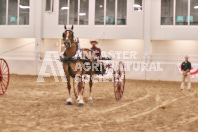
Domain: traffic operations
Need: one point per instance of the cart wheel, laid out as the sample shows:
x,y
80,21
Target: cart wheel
x,y
4,76
75,85
119,81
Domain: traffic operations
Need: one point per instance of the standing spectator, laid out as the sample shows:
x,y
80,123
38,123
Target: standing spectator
x,y
185,68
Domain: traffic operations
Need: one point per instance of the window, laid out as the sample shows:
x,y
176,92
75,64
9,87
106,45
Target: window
x,y
122,12
14,12
181,12
83,15
137,5
49,5
63,12
110,12
2,12
99,12
24,12
167,12
193,12
74,12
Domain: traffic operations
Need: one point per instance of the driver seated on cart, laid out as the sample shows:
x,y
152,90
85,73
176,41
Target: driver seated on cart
x,y
95,49
97,53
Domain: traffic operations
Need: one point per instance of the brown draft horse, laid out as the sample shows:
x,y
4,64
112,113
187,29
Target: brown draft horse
x,y
70,65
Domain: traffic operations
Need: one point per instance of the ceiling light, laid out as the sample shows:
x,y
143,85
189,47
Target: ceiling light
x,y
64,8
195,7
137,6
82,14
24,7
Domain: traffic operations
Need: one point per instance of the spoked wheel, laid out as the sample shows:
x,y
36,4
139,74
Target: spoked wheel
x,y
76,85
119,81
4,76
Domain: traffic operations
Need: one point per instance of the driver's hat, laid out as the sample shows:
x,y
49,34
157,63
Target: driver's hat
x,y
94,41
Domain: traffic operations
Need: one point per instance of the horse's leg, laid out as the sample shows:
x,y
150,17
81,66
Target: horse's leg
x,y
76,89
69,100
80,89
90,89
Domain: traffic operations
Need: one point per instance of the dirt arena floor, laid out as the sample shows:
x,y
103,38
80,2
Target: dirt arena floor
x,y
146,106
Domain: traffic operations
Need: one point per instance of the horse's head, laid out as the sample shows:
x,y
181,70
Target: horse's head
x,y
68,36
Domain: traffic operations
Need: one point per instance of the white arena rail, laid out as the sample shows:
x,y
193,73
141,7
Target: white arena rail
x,y
172,58
18,55
29,63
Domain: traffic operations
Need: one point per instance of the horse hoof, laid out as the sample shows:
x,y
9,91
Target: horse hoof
x,y
80,105
90,101
77,101
68,103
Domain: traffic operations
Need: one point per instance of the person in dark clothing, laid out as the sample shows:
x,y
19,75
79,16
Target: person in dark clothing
x,y
185,68
97,55
95,49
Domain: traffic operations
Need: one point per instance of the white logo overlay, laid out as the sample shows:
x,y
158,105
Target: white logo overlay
x,y
102,69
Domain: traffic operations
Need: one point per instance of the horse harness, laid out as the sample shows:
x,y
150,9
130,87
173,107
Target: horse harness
x,y
74,58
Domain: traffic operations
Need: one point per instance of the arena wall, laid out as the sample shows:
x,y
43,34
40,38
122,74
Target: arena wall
x,y
161,32
165,52
165,44
17,48
32,67
133,29
21,31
